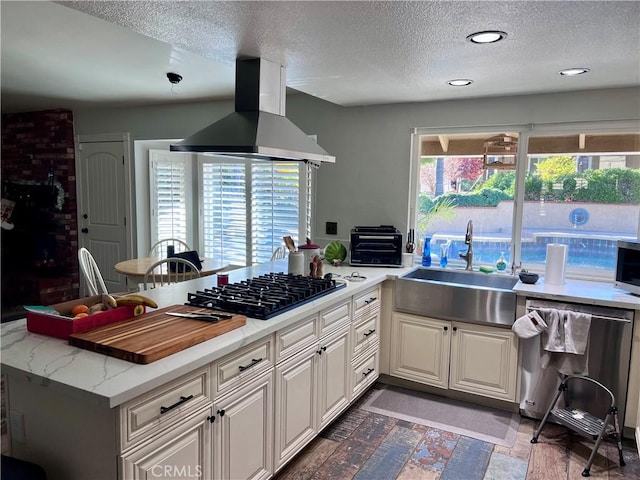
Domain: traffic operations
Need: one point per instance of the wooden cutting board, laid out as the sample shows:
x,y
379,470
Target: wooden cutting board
x,y
153,335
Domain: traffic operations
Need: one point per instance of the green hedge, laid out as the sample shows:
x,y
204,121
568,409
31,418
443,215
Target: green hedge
x,y
609,185
486,197
504,181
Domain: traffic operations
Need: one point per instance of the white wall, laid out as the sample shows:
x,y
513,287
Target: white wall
x,y
368,184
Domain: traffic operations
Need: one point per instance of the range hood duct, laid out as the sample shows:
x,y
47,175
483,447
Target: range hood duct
x,y
258,128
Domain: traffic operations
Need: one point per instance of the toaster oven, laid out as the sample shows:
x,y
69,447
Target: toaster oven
x,y
376,246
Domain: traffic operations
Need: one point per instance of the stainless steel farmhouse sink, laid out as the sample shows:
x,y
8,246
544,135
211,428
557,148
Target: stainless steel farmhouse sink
x,y
457,295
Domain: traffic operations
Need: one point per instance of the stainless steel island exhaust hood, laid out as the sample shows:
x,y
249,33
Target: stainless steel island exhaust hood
x,y
258,128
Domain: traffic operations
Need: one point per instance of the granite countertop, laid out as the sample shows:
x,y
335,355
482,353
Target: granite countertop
x,y
109,381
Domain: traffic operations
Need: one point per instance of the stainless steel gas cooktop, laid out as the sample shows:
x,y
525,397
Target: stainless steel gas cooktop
x,y
265,296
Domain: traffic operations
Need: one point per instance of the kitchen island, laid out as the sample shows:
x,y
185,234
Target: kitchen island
x,y
85,415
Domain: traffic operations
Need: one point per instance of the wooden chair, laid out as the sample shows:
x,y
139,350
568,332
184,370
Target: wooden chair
x,y
278,253
159,249
91,272
168,271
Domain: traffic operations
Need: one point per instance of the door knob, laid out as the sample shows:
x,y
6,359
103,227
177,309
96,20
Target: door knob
x,y
85,230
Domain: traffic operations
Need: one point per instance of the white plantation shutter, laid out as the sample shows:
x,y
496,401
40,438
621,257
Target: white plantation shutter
x,y
169,198
245,206
224,211
275,206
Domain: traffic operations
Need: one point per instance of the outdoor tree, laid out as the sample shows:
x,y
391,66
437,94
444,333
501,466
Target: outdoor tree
x,y
463,168
554,167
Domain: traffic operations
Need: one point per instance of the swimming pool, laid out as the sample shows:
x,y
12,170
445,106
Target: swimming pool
x,y
582,252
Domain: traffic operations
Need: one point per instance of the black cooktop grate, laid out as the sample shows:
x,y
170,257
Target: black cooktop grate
x,y
265,296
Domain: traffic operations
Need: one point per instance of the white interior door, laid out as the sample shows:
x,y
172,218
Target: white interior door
x,y
102,218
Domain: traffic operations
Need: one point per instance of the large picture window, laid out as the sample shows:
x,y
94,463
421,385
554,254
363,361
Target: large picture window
x,y
553,184
234,210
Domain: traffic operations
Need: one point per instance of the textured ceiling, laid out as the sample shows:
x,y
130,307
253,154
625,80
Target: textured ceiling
x,y
349,53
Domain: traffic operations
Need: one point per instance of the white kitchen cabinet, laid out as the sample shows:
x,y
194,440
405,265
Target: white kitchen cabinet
x,y
334,359
471,358
484,361
365,340
312,385
420,349
243,431
365,325
182,452
296,403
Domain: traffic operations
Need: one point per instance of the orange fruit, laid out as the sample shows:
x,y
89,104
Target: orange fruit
x,y
81,314
80,308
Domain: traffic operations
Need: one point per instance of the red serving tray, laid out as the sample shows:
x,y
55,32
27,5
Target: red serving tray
x,y
61,326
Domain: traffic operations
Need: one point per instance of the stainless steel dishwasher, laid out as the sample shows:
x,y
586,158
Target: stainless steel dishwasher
x,y
610,336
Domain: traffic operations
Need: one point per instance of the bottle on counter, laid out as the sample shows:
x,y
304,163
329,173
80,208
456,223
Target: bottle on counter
x,y
444,254
426,252
501,264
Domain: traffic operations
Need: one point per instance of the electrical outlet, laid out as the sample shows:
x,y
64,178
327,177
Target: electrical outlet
x,y
331,228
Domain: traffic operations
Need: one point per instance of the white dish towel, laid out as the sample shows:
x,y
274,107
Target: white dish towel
x,y
565,344
568,331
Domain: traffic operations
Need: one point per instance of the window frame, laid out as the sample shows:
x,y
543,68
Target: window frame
x,y
525,132
194,193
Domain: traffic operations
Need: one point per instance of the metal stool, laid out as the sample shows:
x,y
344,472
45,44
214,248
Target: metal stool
x,y
583,422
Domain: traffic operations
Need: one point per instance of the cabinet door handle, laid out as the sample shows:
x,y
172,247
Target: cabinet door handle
x,y
177,404
211,419
368,372
221,412
254,361
455,329
369,333
445,328
371,300
322,349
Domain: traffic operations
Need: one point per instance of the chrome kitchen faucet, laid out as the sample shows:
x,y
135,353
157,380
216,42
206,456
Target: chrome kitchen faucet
x,y
468,240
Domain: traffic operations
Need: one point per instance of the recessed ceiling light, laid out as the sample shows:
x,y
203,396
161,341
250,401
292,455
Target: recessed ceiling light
x,y
488,36
460,82
570,72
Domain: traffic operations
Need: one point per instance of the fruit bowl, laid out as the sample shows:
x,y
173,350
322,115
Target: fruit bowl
x,y
530,278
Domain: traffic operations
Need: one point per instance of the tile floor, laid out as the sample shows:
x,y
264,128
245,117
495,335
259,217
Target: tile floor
x,y
362,445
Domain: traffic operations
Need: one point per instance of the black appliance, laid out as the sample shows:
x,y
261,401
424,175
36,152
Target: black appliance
x,y
628,267
265,296
376,246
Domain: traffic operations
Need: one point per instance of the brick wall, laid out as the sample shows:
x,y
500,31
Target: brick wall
x,y
34,146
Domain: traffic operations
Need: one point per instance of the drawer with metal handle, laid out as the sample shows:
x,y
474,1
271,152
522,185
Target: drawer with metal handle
x,y
366,370
233,369
163,407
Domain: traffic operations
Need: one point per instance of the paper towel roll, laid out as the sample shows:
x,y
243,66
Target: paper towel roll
x,y
555,264
296,263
